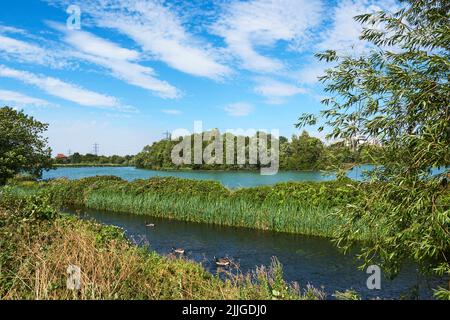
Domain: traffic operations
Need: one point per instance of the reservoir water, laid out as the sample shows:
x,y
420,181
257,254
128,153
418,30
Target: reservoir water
x,y
305,260
230,179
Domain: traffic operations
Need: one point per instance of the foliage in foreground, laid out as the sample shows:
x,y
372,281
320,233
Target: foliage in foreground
x,y
303,208
37,245
23,149
399,94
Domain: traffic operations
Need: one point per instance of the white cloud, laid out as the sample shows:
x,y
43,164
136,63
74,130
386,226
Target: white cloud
x,y
20,99
160,33
171,111
9,29
119,60
245,26
343,36
91,44
310,74
26,52
238,109
276,91
64,90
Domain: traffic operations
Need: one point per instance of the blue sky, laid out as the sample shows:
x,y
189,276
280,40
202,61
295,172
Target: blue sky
x,y
138,68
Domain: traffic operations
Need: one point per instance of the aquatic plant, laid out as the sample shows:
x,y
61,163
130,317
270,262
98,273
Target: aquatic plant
x,y
304,208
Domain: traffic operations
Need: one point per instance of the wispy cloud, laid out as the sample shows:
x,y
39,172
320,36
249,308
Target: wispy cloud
x,y
64,90
160,33
344,33
118,60
20,100
10,29
246,26
171,111
238,109
276,91
27,52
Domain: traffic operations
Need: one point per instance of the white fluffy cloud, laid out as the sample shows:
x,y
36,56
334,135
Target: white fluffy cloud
x,y
344,33
26,52
160,33
64,90
246,26
118,60
238,109
20,99
276,91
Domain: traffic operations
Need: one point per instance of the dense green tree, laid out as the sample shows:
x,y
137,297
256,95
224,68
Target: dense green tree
x,y
398,93
303,153
91,159
23,149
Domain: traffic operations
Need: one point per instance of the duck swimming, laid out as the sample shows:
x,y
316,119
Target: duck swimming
x,y
223,262
178,250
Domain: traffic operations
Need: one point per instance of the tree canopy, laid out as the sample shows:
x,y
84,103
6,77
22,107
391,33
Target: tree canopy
x,y
23,149
302,152
398,92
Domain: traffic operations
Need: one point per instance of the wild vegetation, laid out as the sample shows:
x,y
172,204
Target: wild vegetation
x,y
398,93
22,146
37,244
304,208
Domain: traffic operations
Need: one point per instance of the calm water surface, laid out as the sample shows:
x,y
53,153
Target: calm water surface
x,y
305,259
230,179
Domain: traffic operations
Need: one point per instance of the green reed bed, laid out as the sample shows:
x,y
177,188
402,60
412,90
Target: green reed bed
x,y
239,212
304,208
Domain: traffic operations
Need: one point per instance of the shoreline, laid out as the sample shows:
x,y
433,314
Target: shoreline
x,y
56,166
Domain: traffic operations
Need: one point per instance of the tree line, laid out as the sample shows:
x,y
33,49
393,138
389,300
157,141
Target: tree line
x,y
301,152
93,159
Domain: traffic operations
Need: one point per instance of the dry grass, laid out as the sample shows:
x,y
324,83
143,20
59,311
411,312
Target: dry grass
x,y
34,260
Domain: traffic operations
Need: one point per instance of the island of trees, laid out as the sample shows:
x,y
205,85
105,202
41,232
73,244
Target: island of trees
x,y
302,152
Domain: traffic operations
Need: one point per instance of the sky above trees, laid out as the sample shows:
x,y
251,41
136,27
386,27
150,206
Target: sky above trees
x,y
138,68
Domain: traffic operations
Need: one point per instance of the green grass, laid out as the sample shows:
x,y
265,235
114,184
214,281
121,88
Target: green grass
x,y
37,244
304,208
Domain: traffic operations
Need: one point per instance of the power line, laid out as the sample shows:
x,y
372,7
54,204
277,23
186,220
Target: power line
x,y
168,135
96,148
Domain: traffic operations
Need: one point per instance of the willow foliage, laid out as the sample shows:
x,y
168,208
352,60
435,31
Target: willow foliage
x,y
398,93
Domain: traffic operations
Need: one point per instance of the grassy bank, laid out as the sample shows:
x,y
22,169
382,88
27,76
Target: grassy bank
x,y
37,245
304,208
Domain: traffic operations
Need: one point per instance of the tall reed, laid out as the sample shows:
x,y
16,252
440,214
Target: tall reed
x,y
303,208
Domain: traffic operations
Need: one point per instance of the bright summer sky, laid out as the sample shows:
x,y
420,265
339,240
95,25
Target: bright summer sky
x,y
138,68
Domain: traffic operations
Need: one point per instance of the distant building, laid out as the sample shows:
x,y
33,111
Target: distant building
x,y
61,158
